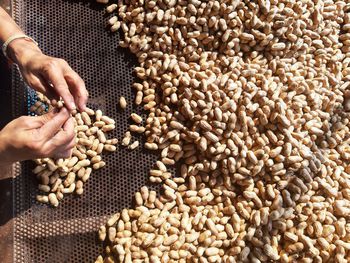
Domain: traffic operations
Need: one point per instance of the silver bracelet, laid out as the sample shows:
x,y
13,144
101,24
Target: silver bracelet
x,y
12,38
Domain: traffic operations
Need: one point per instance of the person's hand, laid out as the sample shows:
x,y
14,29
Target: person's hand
x,y
49,135
48,75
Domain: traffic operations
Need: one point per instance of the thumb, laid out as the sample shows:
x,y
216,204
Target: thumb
x,y
53,122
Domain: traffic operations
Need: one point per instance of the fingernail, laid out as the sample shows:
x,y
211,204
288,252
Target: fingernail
x,y
82,107
72,106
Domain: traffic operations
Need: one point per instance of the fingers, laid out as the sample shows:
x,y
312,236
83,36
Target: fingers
x,y
50,93
35,122
65,137
53,123
39,84
35,83
57,79
62,151
62,143
43,136
77,87
54,74
66,140
67,134
66,152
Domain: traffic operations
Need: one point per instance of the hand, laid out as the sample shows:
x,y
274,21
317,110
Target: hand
x,y
48,75
37,137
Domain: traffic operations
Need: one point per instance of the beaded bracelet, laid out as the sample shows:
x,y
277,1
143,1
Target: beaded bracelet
x,y
12,38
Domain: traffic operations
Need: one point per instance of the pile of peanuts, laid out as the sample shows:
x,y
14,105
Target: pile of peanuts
x,y
65,176
250,97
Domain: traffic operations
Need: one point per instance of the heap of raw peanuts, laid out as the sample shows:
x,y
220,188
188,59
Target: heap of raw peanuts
x,y
58,177
250,97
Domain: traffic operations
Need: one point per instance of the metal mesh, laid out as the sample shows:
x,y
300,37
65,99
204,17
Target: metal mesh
x,y
74,30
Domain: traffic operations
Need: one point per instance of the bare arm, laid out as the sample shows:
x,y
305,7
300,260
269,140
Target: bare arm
x,y
51,76
7,26
52,134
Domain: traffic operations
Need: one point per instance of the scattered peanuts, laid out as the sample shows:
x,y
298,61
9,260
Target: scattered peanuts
x,y
134,145
254,107
64,176
136,118
122,103
127,138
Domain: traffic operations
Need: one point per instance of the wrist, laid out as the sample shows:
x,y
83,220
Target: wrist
x,y
21,48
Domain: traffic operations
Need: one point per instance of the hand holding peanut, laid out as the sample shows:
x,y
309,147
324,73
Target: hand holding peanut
x,y
27,137
48,75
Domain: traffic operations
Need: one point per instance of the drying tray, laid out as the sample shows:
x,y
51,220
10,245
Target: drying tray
x,y
76,31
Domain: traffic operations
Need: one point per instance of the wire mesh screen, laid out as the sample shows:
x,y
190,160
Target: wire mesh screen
x,y
75,31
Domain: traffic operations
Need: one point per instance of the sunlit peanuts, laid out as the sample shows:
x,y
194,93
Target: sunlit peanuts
x,y
252,99
122,103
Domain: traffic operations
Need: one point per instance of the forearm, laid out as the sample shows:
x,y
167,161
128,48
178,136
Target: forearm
x,y
8,27
18,47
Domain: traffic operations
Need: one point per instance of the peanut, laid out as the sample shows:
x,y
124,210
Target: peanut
x,y
122,103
